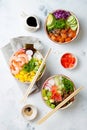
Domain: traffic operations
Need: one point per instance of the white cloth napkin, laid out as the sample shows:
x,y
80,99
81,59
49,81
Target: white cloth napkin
x,y
13,46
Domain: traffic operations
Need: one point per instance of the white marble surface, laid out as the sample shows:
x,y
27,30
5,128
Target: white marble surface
x,y
11,25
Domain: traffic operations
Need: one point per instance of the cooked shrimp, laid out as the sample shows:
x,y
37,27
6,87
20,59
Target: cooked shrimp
x,y
24,56
21,61
15,64
17,61
21,51
14,70
13,58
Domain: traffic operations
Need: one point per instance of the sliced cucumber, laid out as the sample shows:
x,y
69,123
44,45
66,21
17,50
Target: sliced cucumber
x,y
72,22
57,81
70,18
74,27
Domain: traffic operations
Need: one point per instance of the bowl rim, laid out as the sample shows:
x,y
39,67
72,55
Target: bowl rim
x,y
67,78
76,62
77,31
37,78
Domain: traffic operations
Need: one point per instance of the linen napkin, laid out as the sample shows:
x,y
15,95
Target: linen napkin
x,y
14,45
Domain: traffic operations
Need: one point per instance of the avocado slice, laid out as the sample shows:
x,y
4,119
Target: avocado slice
x,y
50,20
50,27
44,92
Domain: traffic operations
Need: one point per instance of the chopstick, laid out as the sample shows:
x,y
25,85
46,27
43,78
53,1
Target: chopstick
x,y
35,77
58,106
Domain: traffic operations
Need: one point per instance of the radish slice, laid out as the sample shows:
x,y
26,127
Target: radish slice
x,y
29,52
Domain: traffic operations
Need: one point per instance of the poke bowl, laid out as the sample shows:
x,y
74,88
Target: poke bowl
x,y
25,62
62,26
56,89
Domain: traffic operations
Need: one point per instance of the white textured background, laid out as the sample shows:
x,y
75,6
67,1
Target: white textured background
x,y
11,25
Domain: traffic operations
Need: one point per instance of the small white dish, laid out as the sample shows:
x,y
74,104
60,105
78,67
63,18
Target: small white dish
x,y
31,22
29,112
68,61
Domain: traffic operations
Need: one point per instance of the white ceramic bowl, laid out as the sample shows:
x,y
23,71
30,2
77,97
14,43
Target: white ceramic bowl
x,y
33,114
68,60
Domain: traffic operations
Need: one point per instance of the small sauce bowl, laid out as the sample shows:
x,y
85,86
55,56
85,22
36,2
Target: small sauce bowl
x,y
29,112
32,23
68,60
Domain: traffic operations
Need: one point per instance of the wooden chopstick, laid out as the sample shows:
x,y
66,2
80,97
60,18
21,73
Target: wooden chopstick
x,y
58,106
35,77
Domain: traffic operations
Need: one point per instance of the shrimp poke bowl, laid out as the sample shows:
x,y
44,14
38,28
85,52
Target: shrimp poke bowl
x,y
62,26
25,63
56,89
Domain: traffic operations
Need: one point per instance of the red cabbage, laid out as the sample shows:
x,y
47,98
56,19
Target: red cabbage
x,y
61,14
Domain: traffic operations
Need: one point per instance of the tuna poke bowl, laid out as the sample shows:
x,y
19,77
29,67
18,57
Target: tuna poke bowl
x,y
25,62
62,26
57,88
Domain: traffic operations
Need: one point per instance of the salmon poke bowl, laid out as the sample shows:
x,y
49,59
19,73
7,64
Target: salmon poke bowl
x,y
62,26
56,89
24,64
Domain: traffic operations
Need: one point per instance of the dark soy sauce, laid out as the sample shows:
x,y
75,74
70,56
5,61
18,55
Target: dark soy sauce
x,y
28,109
31,21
